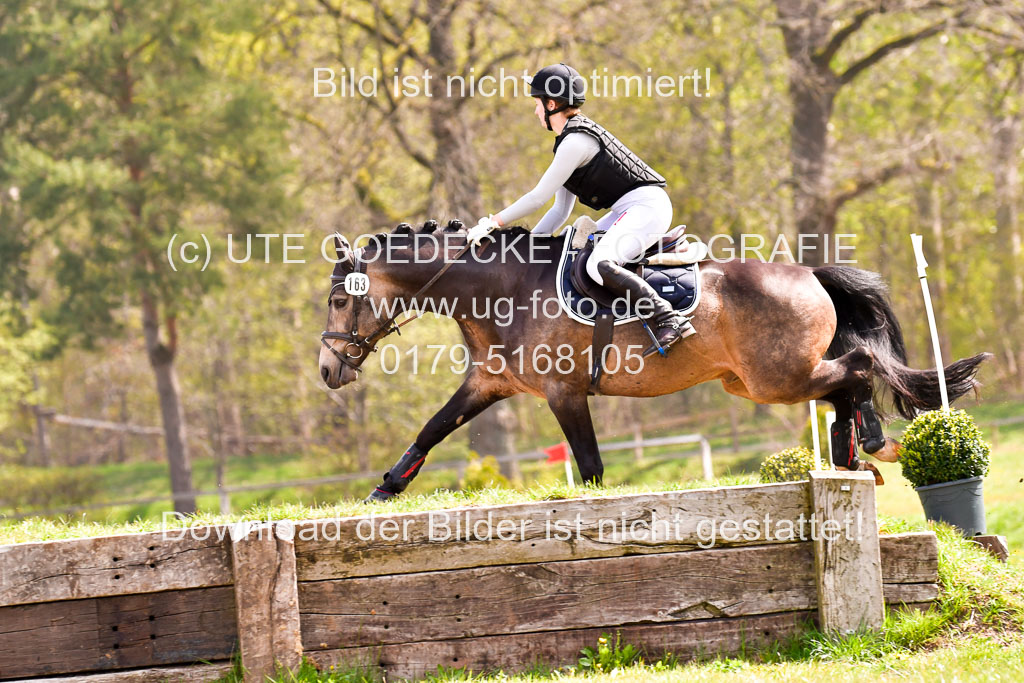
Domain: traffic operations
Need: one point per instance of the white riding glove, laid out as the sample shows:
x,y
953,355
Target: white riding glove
x,y
481,230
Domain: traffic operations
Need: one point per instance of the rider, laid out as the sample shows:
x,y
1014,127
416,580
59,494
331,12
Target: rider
x,y
591,163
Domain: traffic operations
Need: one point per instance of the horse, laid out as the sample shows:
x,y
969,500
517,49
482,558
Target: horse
x,y
774,333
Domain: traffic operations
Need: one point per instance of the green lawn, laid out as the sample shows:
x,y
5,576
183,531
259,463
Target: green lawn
x,y
1004,489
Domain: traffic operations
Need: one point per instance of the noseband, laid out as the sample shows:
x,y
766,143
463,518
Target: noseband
x,y
368,344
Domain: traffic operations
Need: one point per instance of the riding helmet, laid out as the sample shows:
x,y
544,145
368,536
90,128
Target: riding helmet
x,y
559,82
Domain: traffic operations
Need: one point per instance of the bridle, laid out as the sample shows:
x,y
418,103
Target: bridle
x,y
368,344
352,338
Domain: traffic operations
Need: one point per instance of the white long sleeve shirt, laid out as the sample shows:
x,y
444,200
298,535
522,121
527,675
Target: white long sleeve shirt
x,y
576,150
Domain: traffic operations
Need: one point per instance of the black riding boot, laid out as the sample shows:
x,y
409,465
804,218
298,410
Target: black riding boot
x,y
669,324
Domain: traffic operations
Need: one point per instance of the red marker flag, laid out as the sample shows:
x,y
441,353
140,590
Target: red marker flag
x,y
559,453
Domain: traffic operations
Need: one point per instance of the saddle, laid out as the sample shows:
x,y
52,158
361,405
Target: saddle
x,y
670,265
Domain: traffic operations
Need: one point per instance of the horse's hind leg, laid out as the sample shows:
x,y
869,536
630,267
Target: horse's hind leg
x,y
869,427
841,432
854,389
846,383
797,385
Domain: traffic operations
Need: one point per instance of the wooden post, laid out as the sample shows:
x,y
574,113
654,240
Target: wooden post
x,y
266,598
847,562
705,459
638,441
815,443
734,427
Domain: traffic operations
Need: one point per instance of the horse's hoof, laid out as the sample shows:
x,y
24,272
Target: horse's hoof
x,y
868,467
890,452
872,446
379,495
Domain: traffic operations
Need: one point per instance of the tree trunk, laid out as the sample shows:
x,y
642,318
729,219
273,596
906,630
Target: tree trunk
x,y
161,359
1007,139
229,411
928,197
122,452
812,91
812,108
491,433
941,267
42,436
360,409
456,191
456,194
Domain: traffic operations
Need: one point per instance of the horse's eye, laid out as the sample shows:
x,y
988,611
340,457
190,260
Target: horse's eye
x,y
340,303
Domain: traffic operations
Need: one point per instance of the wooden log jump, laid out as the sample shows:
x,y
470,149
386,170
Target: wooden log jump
x,y
693,573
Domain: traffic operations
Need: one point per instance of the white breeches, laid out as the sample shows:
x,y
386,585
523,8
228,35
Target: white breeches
x,y
633,223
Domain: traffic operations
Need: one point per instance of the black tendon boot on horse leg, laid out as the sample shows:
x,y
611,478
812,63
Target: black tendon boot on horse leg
x,y
844,443
399,476
669,325
844,446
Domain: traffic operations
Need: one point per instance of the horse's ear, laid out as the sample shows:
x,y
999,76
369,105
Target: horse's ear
x,y
342,249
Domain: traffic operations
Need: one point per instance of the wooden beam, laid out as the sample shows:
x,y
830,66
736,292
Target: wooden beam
x,y
103,634
198,673
909,558
114,565
910,593
366,546
556,596
848,566
266,598
516,652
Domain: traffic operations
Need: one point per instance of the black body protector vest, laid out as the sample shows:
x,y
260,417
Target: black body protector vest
x,y
613,171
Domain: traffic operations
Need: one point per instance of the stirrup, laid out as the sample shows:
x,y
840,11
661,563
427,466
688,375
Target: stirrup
x,y
685,330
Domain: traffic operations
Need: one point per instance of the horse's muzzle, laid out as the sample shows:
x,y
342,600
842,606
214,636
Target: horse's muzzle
x,y
333,372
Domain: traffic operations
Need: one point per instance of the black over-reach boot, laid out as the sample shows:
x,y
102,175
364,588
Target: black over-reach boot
x,y
669,324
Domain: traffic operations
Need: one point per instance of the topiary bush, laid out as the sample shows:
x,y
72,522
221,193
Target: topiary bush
x,y
941,446
791,464
483,473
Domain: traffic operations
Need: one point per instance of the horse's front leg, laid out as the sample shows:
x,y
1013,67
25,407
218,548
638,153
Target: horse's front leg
x,y
475,395
570,408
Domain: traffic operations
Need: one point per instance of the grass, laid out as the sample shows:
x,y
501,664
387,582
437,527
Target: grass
x,y
1004,490
45,529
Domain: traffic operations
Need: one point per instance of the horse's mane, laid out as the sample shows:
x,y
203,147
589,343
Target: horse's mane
x,y
454,226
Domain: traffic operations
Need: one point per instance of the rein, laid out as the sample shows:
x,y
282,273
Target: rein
x,y
384,329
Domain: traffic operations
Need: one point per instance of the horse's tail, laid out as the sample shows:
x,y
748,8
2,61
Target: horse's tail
x,y
865,318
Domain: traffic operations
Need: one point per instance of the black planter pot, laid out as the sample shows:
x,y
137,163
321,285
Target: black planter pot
x,y
959,503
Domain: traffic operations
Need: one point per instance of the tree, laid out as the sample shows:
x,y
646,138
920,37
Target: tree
x,y
146,124
458,44
814,35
